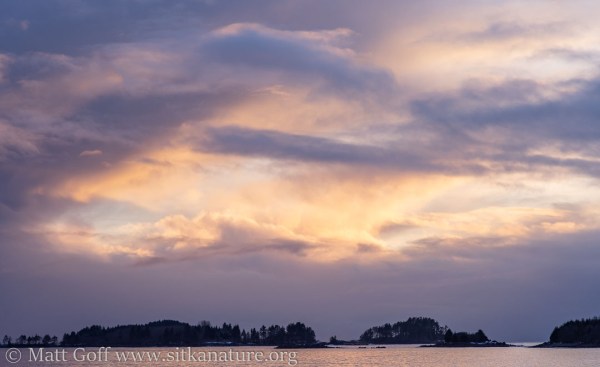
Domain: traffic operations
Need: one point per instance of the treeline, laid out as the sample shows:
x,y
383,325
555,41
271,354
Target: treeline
x,y
175,333
464,337
35,340
584,331
415,330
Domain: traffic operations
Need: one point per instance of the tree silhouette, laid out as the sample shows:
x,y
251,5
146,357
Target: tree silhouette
x,y
584,331
464,337
449,336
174,333
7,340
415,330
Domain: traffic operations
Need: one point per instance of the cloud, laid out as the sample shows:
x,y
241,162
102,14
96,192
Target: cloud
x,y
277,145
508,127
249,152
16,142
177,238
507,30
535,285
304,54
568,54
4,62
108,99
516,126
88,153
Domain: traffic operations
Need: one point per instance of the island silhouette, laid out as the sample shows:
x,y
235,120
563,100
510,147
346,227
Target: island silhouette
x,y
584,333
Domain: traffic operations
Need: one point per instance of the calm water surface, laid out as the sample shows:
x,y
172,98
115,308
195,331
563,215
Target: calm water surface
x,y
409,356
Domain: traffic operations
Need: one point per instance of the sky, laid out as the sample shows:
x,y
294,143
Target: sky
x,y
339,163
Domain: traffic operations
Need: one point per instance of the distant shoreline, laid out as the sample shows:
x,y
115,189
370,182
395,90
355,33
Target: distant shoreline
x,y
425,332
323,346
471,345
567,345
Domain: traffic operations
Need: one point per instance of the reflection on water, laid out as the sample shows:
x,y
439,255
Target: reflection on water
x,y
412,356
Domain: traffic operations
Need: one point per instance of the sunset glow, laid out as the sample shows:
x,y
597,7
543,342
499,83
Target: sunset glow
x,y
351,155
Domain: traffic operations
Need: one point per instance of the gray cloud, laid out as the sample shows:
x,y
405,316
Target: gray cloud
x,y
454,125
567,54
271,50
447,134
118,109
569,117
506,30
278,145
522,119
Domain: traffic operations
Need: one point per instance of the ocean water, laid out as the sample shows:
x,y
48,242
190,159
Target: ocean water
x,y
409,356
